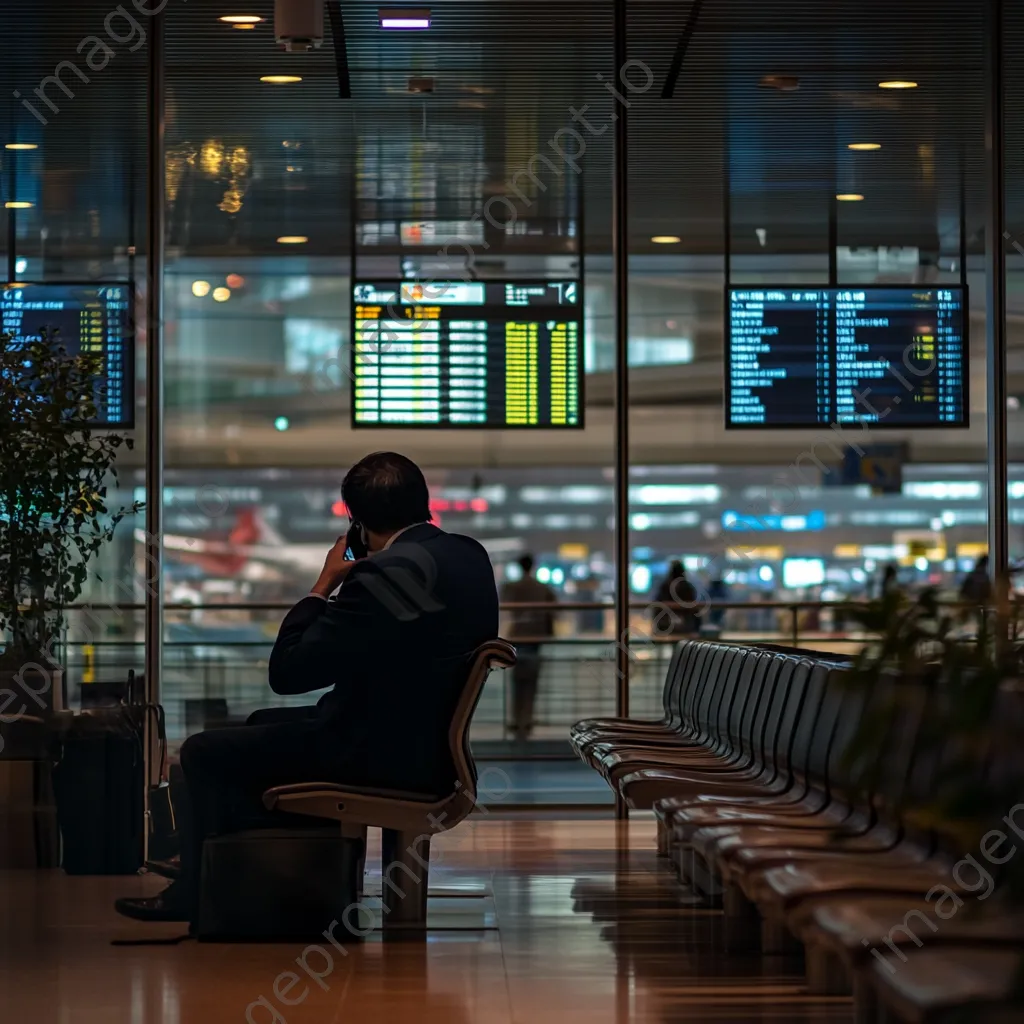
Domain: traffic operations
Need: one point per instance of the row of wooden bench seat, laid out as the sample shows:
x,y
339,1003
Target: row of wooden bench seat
x,y
764,803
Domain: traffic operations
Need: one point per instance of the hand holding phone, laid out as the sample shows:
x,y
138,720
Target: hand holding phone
x,y
339,561
355,541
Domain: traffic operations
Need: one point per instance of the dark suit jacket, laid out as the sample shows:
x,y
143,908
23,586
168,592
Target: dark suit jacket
x,y
393,647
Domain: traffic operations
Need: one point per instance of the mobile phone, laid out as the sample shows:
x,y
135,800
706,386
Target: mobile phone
x,y
354,542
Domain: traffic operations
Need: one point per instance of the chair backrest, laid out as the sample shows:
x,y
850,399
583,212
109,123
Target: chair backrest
x,y
741,670
493,654
677,679
800,716
719,688
758,698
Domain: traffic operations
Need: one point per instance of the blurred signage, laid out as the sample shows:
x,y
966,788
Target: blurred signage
x,y
796,523
573,552
971,550
851,551
878,465
765,554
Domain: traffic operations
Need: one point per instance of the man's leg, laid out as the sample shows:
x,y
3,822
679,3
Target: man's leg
x,y
275,716
524,689
226,773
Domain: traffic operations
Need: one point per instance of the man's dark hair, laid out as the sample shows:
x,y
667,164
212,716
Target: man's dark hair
x,y
526,564
386,491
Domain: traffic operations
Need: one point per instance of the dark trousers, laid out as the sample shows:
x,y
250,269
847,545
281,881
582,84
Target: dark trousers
x,y
226,772
524,688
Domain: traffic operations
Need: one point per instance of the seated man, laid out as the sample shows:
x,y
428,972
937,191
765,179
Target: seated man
x,y
393,647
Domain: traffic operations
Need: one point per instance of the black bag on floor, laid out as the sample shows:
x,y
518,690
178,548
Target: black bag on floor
x,y
98,784
282,885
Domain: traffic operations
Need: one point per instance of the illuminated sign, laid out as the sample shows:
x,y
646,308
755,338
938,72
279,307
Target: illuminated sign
x,y
468,354
805,357
83,318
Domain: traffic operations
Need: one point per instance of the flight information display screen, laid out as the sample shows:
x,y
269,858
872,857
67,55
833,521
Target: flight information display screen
x,y
82,318
804,357
502,354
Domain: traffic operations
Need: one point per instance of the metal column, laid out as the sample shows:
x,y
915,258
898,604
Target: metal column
x,y
995,281
155,208
12,216
620,253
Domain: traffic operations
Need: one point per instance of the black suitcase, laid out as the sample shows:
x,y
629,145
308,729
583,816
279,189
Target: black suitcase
x,y
98,785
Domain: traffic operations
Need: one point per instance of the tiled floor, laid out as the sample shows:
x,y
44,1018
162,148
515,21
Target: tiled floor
x,y
588,929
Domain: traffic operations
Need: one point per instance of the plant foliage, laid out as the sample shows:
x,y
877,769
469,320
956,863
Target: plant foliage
x,y
54,476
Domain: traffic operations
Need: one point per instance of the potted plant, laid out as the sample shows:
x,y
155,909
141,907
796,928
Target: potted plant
x,y
55,469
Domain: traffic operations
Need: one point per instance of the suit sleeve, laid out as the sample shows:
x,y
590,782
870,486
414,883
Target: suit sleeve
x,y
319,644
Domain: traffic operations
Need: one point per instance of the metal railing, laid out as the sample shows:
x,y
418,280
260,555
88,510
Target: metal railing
x,y
216,657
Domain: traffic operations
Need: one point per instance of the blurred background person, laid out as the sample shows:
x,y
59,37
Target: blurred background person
x,y
590,620
890,581
680,617
718,590
976,588
531,626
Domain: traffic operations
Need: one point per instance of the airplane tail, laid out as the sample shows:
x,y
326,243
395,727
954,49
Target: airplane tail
x,y
253,528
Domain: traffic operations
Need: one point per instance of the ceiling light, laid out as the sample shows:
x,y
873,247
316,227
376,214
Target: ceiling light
x,y
200,289
18,205
402,18
666,239
241,19
897,84
280,79
292,240
849,197
221,294
234,281
21,145
864,145
245,26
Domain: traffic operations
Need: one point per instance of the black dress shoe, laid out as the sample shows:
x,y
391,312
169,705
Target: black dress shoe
x,y
165,868
170,905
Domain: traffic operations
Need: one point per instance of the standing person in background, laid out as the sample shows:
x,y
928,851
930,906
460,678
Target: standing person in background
x,y
676,589
718,590
890,581
976,588
533,624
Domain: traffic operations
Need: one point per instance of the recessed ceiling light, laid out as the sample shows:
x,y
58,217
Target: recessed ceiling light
x,y
864,145
897,84
292,240
21,145
18,205
404,18
280,79
200,288
241,19
221,294
849,197
666,239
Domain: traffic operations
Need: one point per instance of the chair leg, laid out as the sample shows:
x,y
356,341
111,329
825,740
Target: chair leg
x,y
405,876
358,833
826,975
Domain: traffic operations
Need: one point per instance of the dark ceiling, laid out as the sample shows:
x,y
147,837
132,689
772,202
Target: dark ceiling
x,y
506,76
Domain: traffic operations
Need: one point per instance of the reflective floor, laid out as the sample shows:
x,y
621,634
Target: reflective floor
x,y
548,920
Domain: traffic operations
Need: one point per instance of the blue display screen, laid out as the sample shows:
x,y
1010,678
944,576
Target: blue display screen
x,y
805,357
82,318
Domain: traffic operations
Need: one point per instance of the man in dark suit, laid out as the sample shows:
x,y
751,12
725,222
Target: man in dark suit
x,y
390,635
